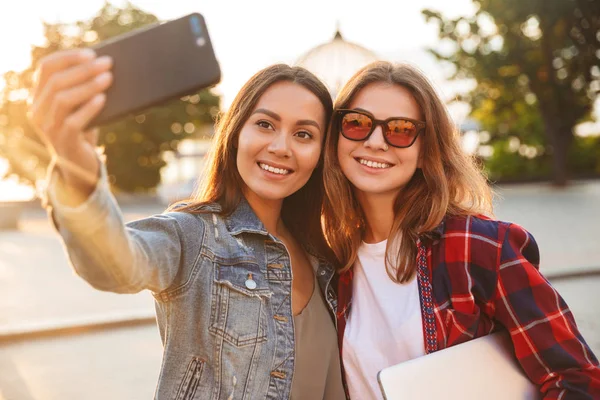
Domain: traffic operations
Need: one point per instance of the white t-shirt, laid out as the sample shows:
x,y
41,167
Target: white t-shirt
x,y
385,324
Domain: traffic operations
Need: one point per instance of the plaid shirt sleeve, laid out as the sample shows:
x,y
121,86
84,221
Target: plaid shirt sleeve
x,y
547,342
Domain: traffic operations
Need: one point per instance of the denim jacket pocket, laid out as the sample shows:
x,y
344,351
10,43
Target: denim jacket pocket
x,y
238,306
191,380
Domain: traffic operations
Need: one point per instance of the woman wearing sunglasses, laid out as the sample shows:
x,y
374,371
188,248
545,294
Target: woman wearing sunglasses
x,y
235,271
423,267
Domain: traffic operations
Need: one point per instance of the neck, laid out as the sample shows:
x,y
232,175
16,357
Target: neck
x,y
379,215
268,212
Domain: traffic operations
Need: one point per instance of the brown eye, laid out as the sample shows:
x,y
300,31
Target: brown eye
x,y
304,135
264,124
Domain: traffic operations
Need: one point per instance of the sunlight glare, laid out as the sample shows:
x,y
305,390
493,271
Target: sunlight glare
x,y
11,189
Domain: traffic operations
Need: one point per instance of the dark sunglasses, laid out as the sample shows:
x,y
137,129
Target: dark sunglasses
x,y
358,125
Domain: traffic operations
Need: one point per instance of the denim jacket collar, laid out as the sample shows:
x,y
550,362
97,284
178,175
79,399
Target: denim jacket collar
x,y
243,219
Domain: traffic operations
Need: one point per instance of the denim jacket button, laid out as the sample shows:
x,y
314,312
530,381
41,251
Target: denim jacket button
x,y
250,284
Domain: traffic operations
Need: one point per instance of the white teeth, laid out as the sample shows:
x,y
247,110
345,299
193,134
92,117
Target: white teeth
x,y
374,164
280,171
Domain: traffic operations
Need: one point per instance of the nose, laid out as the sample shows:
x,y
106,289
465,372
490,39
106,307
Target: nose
x,y
280,145
376,141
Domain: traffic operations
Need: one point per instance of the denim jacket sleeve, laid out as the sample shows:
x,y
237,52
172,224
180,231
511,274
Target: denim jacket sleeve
x,y
113,256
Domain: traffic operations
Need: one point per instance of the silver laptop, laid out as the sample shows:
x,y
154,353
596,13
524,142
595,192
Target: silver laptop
x,y
483,368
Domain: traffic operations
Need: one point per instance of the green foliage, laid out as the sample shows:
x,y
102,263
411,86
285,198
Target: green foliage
x,y
507,165
536,67
584,156
133,145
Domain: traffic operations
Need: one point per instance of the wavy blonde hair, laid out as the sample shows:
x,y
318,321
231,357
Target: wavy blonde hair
x,y
221,182
449,182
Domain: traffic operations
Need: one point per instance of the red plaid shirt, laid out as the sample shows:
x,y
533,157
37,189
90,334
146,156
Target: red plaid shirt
x,y
476,276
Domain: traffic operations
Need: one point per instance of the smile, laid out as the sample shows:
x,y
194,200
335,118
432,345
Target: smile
x,y
275,170
374,164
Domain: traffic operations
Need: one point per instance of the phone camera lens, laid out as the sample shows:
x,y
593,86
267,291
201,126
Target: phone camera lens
x,y
195,24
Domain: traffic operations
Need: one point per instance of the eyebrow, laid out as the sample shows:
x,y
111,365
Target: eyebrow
x,y
271,114
276,117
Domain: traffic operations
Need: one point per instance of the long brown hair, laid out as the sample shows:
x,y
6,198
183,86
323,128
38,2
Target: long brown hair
x,y
221,181
449,182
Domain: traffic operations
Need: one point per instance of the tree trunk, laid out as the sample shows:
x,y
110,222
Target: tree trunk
x,y
560,136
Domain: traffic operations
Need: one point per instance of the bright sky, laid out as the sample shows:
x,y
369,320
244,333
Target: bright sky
x,y
249,35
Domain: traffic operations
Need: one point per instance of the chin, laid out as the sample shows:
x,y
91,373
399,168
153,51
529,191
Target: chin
x,y
270,194
371,190
375,188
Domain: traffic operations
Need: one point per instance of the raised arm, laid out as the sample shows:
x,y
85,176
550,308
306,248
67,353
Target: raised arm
x,y
67,95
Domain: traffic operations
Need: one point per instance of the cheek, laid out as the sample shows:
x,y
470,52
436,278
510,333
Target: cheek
x,y
310,156
344,148
418,152
410,156
246,145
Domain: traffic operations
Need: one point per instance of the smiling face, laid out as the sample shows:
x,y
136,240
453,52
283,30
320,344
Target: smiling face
x,y
372,166
280,144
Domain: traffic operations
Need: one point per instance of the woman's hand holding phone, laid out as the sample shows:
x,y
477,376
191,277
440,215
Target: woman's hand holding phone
x,y
68,93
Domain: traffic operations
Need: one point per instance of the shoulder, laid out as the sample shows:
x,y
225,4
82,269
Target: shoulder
x,y
476,227
509,238
193,221
483,226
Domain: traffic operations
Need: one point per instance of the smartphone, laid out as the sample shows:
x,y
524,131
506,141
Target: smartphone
x,y
157,63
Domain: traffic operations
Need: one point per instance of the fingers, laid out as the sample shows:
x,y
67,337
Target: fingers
x,y
59,61
62,92
68,100
77,122
67,96
67,138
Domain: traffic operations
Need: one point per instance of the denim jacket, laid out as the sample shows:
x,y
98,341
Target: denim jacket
x,y
222,289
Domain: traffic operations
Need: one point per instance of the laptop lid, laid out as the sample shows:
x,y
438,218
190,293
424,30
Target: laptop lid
x,y
483,368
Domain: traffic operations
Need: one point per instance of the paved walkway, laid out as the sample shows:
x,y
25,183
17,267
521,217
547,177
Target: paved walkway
x,y
566,224
37,286
123,364
38,290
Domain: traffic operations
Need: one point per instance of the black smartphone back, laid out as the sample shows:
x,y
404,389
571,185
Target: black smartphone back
x,y
157,63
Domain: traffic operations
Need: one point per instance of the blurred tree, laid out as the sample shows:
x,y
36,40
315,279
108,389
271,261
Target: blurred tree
x,y
133,145
536,64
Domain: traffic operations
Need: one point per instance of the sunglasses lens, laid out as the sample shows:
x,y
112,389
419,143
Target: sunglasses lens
x,y
356,126
401,132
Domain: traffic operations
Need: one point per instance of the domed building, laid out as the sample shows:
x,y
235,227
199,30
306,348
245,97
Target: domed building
x,y
336,61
